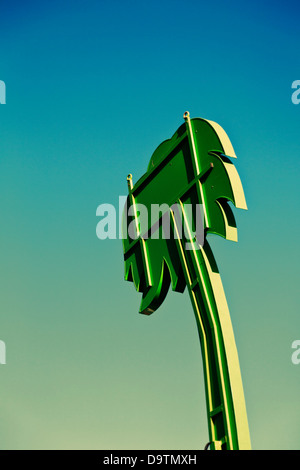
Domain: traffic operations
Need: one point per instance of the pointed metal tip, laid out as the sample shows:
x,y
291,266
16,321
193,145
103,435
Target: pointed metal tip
x,y
129,181
186,115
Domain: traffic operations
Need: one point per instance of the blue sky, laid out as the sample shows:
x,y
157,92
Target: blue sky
x,y
92,89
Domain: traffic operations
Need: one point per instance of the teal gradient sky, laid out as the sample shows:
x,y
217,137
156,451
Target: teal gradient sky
x,y
92,89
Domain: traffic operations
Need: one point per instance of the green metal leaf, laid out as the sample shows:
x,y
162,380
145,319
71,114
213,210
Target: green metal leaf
x,y
193,167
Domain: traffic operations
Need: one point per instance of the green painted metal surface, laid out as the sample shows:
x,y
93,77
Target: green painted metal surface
x,y
164,248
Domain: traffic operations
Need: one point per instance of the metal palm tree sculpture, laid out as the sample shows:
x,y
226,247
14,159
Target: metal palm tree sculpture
x,y
192,170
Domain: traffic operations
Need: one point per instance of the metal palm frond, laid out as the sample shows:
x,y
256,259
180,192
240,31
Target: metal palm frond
x,y
191,178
